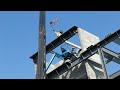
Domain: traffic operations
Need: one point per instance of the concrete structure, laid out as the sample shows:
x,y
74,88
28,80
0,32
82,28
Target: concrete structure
x,y
86,40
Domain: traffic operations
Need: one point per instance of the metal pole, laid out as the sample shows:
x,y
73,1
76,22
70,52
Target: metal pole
x,y
103,62
41,62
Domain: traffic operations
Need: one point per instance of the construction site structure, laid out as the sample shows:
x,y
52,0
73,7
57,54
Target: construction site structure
x,y
89,63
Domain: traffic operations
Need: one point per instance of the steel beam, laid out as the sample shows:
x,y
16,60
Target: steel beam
x,y
100,52
117,41
115,75
109,53
111,56
58,41
72,44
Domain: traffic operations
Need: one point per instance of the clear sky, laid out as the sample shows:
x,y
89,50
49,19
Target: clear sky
x,y
19,36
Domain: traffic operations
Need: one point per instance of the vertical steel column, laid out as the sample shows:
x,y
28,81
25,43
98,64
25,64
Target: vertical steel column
x,y
103,62
41,62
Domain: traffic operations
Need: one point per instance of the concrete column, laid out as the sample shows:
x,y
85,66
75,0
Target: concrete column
x,y
86,40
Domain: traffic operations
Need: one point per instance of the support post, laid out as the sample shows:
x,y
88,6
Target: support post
x,y
103,62
41,62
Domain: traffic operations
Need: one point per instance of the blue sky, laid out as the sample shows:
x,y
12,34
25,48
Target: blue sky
x,y
19,36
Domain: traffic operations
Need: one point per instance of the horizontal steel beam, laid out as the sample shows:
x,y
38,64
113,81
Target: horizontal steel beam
x,y
58,41
117,41
111,56
115,75
116,60
72,44
85,55
110,52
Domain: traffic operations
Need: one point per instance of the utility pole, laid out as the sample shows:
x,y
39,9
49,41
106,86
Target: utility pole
x,y
41,62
